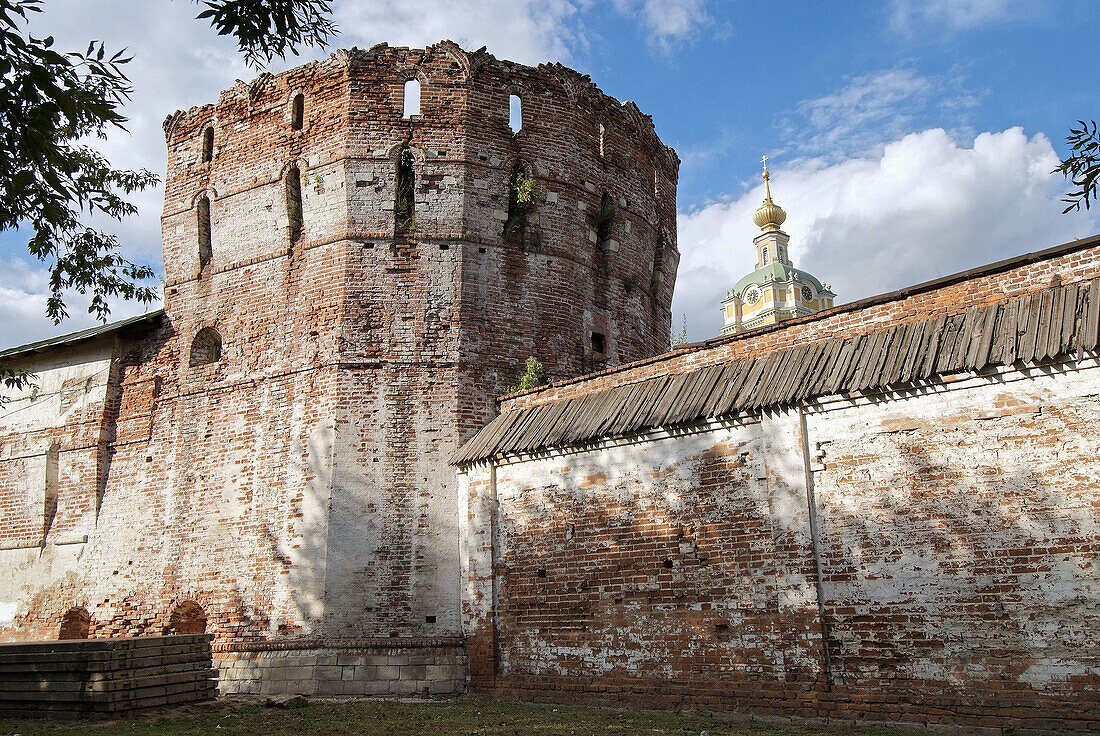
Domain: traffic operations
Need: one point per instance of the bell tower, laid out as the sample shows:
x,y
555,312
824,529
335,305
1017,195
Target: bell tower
x,y
776,290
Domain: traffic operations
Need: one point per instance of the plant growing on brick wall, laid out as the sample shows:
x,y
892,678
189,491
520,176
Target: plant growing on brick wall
x,y
522,201
533,377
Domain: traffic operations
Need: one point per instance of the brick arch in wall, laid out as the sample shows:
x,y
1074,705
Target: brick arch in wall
x,y
75,624
187,617
402,79
455,51
206,347
515,89
297,109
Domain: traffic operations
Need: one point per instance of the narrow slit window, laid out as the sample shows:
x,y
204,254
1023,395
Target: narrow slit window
x,y
297,111
206,248
49,510
602,135
294,203
515,113
604,219
208,145
404,200
412,98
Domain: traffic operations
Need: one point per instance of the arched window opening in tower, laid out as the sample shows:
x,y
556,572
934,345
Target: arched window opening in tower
x,y
404,200
411,99
206,348
206,248
294,203
297,111
515,113
187,618
208,144
75,624
604,220
49,504
522,200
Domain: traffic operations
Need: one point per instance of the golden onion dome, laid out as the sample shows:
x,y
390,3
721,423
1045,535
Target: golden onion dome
x,y
768,216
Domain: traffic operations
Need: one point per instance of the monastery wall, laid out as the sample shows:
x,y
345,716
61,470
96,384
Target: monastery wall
x,y
923,552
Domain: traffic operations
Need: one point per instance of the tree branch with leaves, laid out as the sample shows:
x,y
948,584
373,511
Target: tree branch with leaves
x,y
1082,167
53,103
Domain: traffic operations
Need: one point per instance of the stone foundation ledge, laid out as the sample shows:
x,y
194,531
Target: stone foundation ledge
x,y
397,666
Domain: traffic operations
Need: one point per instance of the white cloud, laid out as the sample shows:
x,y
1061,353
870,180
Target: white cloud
x,y
527,31
23,292
874,108
923,207
947,16
668,22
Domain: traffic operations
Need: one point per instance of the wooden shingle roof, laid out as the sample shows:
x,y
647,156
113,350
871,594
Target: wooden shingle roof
x,y
1040,327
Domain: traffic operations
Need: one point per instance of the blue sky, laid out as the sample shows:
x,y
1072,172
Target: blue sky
x,y
907,138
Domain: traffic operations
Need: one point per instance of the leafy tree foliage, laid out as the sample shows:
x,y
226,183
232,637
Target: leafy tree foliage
x,y
1082,167
52,103
49,103
266,29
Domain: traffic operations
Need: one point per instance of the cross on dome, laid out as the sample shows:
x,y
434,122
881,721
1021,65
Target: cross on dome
x,y
769,216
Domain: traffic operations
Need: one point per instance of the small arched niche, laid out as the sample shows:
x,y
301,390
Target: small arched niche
x,y
605,218
206,348
411,98
75,624
294,215
404,199
205,241
187,617
49,501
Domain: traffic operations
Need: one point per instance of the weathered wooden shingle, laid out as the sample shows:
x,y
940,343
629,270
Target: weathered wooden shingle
x,y
1041,326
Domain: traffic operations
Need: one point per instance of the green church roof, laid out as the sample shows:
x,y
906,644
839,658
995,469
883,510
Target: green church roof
x,y
776,271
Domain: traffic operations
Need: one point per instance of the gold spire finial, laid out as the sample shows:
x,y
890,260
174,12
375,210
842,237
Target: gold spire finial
x,y
769,216
767,176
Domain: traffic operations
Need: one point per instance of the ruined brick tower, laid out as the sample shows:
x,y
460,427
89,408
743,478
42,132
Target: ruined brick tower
x,y
361,253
